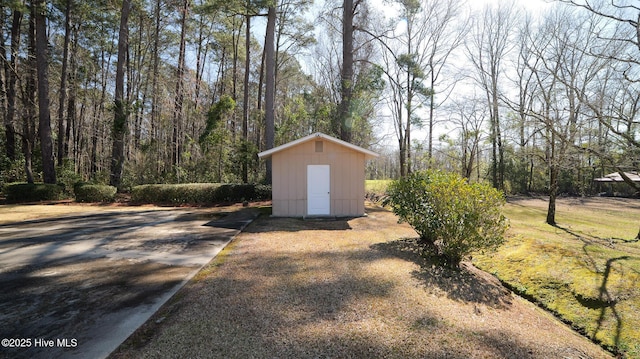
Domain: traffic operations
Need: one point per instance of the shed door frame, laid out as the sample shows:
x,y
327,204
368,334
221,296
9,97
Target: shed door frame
x,y
318,190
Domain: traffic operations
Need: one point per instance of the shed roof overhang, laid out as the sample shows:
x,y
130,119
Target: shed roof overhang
x,y
318,135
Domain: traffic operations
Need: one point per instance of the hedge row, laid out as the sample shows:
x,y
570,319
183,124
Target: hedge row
x,y
30,192
86,192
83,192
198,193
173,194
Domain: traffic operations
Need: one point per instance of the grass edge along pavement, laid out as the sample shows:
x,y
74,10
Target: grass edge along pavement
x,y
583,270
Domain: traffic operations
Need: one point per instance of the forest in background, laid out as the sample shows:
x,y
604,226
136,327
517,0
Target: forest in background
x,y
131,92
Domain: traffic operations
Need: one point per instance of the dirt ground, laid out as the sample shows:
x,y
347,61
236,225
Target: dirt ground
x,y
350,288
88,276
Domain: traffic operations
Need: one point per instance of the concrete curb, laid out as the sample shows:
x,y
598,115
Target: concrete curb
x,y
236,222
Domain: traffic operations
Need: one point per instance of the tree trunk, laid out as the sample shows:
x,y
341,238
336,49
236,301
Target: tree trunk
x,y
403,157
120,117
141,86
44,115
201,58
245,102
346,73
9,133
5,67
269,97
99,110
63,82
553,182
431,120
71,104
553,193
407,131
12,76
258,125
155,72
496,135
177,113
29,101
523,149
234,77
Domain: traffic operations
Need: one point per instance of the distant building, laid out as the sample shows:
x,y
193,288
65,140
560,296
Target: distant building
x,y
616,184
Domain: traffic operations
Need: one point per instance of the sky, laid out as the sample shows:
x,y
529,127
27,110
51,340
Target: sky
x,y
383,6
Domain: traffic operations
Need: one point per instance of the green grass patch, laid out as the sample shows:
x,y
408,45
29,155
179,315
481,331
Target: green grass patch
x,y
586,270
376,186
376,190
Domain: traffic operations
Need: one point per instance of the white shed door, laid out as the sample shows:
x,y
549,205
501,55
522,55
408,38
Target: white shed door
x,y
318,190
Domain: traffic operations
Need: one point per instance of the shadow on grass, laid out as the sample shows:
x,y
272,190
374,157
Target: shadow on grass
x,y
466,284
609,242
606,300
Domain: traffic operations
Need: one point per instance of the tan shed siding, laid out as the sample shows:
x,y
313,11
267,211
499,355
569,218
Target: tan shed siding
x,y
361,162
277,188
290,178
290,181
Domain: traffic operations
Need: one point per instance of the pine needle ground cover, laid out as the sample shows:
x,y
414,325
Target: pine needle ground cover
x,y
349,288
586,270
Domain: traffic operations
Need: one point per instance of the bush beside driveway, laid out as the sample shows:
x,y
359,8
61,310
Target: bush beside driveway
x,y
348,288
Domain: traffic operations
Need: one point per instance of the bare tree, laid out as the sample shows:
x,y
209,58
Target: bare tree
x,y
179,100
488,46
414,61
446,34
564,72
469,121
404,73
527,87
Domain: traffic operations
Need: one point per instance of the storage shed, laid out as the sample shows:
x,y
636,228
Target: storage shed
x,y
318,175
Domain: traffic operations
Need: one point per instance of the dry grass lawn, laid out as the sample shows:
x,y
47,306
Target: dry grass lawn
x,y
287,288
26,212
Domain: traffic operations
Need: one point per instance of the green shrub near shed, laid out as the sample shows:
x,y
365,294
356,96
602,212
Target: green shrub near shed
x,y
451,215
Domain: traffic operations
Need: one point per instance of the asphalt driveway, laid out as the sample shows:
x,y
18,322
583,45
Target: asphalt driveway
x,y
77,286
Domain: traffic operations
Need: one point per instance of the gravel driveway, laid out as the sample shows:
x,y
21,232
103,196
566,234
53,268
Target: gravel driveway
x,y
77,286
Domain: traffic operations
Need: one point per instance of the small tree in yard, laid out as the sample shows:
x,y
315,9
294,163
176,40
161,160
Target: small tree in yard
x,y
450,215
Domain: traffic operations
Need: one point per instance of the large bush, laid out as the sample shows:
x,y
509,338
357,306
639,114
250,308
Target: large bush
x,y
449,214
198,193
85,192
30,192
